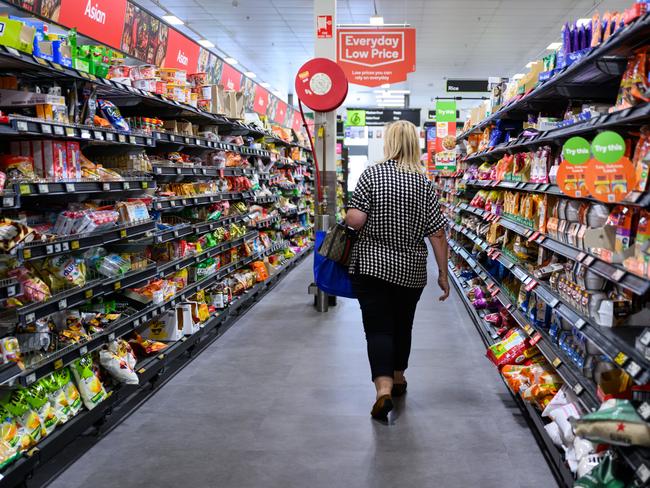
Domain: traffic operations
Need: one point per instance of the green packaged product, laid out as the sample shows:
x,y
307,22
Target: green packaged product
x,y
37,398
30,426
602,476
64,379
90,387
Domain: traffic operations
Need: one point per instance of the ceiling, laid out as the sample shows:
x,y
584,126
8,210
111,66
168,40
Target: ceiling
x,y
455,38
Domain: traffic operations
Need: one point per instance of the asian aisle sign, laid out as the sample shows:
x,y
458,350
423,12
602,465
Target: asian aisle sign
x,y
445,147
372,57
123,25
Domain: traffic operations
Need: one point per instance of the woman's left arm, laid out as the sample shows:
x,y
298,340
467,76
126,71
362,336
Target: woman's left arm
x,y
356,219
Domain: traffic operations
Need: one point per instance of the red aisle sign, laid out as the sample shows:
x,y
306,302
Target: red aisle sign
x,y
182,52
103,20
280,112
372,57
324,26
296,121
261,100
230,78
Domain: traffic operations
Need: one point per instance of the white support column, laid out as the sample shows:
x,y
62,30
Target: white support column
x,y
325,47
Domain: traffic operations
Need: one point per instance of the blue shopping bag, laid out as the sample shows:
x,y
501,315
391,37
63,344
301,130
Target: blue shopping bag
x,y
330,276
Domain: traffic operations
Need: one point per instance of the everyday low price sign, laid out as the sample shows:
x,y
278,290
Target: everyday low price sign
x,y
372,57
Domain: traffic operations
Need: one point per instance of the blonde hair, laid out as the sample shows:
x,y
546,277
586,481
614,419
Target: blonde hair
x,y
402,144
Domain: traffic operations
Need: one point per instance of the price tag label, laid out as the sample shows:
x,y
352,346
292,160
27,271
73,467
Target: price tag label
x,y
69,187
621,358
27,253
111,336
99,136
588,260
106,186
126,185
85,134
123,233
25,189
645,338
633,369
58,130
618,275
172,203
534,236
117,285
88,293
57,247
83,350
577,388
530,286
69,131
21,125
121,138
43,188
110,136
145,185
172,137
46,129
580,256
580,323
133,140
556,362
528,328
535,338
58,364
644,411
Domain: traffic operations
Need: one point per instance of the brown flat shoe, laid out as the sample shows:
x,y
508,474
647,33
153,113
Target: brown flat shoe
x,y
382,406
399,389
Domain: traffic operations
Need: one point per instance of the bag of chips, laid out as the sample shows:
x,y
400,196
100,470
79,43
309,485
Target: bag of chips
x,y
64,378
91,388
118,359
8,428
37,398
57,397
30,426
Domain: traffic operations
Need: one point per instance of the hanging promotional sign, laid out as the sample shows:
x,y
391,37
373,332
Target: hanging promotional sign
x,y
182,52
324,26
355,118
610,175
230,78
445,145
103,18
280,112
296,121
599,169
261,100
571,175
372,57
144,37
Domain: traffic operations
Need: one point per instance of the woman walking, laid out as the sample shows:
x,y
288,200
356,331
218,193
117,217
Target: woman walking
x,y
394,208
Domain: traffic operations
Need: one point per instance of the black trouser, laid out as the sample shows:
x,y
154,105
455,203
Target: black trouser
x,y
388,311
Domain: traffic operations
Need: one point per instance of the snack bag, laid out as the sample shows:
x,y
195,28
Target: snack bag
x,y
64,378
30,426
57,397
113,115
602,476
91,388
8,428
617,423
37,398
118,359
8,454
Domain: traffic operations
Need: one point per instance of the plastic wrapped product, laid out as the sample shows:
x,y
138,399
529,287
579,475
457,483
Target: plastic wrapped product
x,y
90,387
601,476
37,398
64,378
8,428
57,397
113,115
118,359
616,422
30,426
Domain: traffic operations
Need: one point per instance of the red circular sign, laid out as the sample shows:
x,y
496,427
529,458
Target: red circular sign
x,y
321,85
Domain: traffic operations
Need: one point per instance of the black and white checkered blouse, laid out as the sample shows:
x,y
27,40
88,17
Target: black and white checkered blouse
x,y
402,210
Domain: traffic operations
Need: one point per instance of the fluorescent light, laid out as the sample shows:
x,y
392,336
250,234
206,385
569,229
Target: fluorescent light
x,y
518,76
206,43
553,46
530,64
265,85
386,85
376,20
232,61
172,20
250,74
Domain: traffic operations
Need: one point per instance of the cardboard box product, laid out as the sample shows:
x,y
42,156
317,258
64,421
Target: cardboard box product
x,y
74,160
55,166
17,35
166,328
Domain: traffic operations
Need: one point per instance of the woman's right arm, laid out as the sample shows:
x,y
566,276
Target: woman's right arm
x,y
438,238
359,206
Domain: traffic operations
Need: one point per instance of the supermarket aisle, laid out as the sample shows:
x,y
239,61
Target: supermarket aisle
x,y
283,400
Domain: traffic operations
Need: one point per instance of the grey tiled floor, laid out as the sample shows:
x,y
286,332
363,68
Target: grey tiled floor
x,y
283,398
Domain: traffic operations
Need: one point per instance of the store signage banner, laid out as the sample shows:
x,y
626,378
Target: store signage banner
x,y
355,118
324,26
145,36
182,52
372,57
103,20
280,112
261,100
445,147
430,138
465,86
386,116
296,121
230,78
